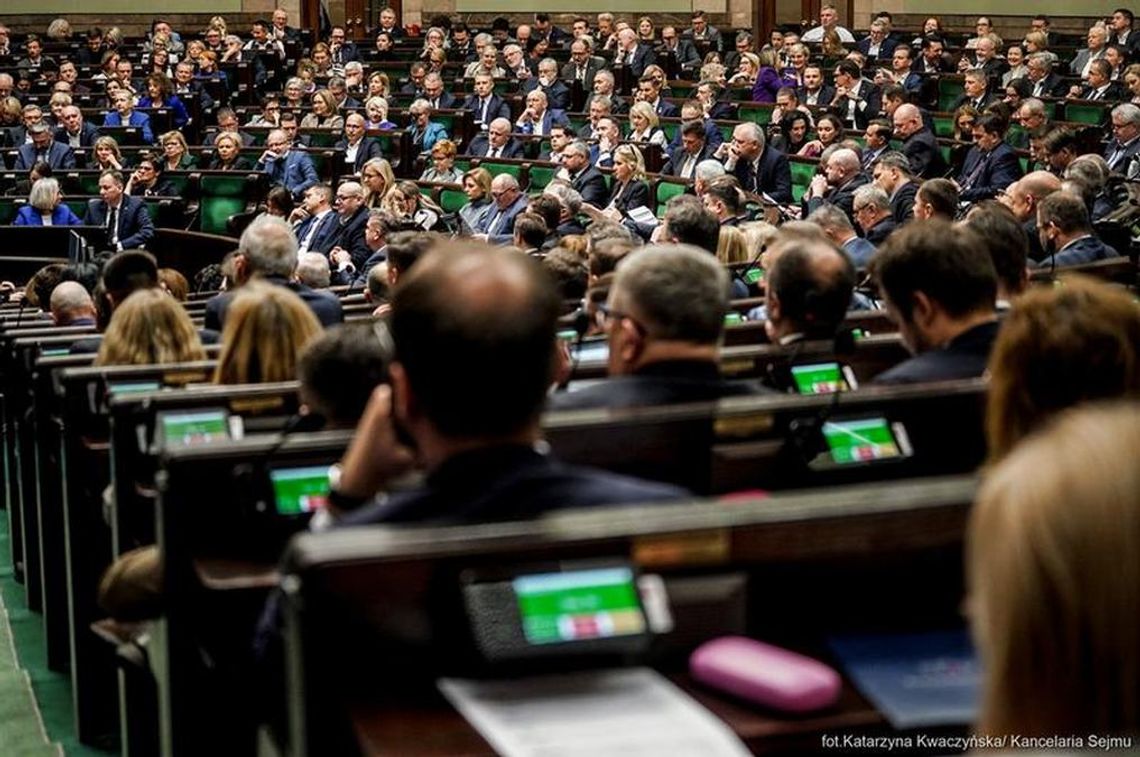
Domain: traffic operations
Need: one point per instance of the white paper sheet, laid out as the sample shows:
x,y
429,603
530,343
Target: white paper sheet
x,y
629,712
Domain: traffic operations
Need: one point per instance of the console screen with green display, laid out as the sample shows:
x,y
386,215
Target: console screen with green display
x,y
300,490
195,428
579,605
132,387
819,378
857,441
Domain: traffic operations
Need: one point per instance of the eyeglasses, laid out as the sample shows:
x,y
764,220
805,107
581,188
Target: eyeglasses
x,y
605,314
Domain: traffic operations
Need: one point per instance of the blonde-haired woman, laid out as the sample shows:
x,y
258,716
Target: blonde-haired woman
x,y
377,177
1053,580
643,126
325,113
731,246
176,152
630,190
149,328
266,329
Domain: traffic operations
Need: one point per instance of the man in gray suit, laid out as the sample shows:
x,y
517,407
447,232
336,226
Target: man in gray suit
x,y
583,64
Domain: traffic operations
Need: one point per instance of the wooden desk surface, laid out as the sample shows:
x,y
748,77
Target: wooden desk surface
x,y
432,728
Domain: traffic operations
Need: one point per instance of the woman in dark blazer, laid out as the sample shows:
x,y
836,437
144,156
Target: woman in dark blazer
x,y
45,208
630,190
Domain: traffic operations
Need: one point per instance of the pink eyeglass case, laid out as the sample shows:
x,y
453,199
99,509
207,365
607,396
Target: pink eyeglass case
x,y
765,674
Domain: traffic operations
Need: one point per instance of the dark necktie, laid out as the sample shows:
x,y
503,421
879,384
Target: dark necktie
x,y
483,110
977,172
113,227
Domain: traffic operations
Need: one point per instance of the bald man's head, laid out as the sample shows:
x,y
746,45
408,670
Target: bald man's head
x,y
468,304
907,120
809,290
71,302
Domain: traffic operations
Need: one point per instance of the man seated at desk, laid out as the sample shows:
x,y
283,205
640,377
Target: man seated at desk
x,y
664,319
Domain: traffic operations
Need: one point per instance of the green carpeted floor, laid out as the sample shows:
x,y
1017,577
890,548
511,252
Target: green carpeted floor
x,y
33,699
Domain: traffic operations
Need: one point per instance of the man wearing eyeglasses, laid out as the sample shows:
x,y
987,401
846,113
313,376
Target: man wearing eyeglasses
x,y
508,202
286,166
663,322
496,142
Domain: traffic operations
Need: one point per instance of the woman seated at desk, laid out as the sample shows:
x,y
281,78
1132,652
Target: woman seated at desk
x,y
643,122
227,148
630,190
45,207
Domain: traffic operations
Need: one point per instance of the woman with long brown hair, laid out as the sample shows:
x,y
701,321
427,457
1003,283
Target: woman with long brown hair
x,y
150,327
266,328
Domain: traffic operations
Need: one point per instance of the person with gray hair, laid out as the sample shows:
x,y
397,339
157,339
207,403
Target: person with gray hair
x,y
759,170
891,173
873,213
557,93
313,270
838,228
837,185
71,305
496,142
1088,174
707,171
570,204
267,251
664,320
1045,83
45,207
1121,152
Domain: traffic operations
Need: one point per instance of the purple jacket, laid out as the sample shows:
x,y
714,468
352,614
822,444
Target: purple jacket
x,y
768,82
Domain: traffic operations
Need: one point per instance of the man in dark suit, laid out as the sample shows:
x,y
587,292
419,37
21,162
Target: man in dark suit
x,y
682,50
815,91
357,148
933,59
649,90
537,117
856,100
632,54
877,46
919,144
582,65
991,165
342,49
189,89
557,93
891,173
496,142
986,59
484,104
350,225
976,92
1045,83
286,166
759,168
694,148
281,29
1099,87
124,217
1121,31
873,214
939,284
45,148
1125,144
1066,233
701,31
388,24
663,350
585,178
74,131
267,252
507,203
837,185
436,95
318,225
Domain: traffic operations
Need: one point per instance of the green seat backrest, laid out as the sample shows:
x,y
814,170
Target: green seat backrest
x,y
496,168
224,186
78,207
670,128
667,190
322,138
180,181
215,211
1085,114
944,126
947,153
540,176
89,183
463,165
452,200
802,173
756,113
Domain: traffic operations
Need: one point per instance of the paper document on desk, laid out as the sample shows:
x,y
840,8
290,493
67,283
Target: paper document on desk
x,y
608,712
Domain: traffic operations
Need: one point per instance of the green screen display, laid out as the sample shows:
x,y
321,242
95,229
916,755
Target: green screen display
x,y
55,351
130,387
860,441
579,605
818,378
300,490
194,428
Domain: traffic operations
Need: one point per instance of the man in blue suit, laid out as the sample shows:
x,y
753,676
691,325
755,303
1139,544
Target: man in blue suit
x,y
649,90
760,169
557,93
1067,234
124,217
538,118
267,252
508,203
436,95
991,165
317,231
877,45
496,142
286,166
44,148
484,104
635,56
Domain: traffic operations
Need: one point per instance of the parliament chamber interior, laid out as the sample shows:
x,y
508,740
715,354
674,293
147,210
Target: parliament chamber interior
x,y
559,383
